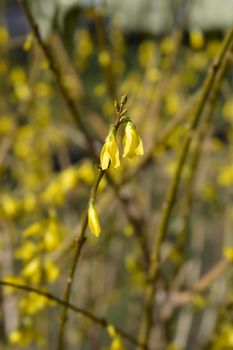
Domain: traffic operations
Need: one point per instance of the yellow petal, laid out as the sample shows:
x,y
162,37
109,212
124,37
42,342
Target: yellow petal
x,y
132,142
117,344
127,141
139,150
93,220
110,151
114,153
104,157
228,253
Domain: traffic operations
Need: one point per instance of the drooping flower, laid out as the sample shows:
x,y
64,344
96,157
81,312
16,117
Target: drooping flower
x,y
110,151
132,142
93,220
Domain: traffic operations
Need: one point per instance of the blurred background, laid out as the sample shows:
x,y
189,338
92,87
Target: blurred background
x,y
159,53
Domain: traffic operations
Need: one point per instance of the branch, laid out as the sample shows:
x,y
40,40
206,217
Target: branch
x,y
160,140
176,299
195,156
101,321
172,191
79,244
107,69
75,112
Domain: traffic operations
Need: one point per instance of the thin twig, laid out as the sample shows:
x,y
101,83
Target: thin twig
x,y
75,112
176,299
79,244
103,48
160,140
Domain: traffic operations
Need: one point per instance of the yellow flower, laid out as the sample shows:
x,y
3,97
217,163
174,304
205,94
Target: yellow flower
x,y
132,142
228,253
197,40
28,42
117,344
93,220
110,151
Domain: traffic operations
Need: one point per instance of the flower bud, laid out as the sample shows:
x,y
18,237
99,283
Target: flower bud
x,y
93,220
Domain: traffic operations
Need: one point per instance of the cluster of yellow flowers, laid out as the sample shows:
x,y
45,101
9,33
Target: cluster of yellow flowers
x,y
132,146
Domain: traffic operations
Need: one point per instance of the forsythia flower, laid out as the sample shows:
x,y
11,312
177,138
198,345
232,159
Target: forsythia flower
x,y
132,142
117,344
110,151
93,220
228,253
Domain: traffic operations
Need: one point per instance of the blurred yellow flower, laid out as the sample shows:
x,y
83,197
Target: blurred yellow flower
x,y
228,253
26,251
4,35
22,92
93,220
132,142
168,46
146,52
34,230
17,76
110,151
7,124
32,270
225,178
100,90
197,40
111,330
51,271
198,301
228,110
51,236
3,67
153,75
9,205
172,103
104,58
33,303
28,42
15,337
117,344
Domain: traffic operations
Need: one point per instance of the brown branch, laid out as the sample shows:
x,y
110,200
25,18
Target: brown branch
x,y
176,299
101,321
79,244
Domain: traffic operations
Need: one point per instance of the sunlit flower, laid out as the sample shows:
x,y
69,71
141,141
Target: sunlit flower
x,y
110,152
93,220
132,142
